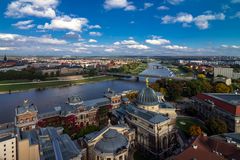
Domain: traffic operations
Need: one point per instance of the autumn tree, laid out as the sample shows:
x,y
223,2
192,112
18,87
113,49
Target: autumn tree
x,y
195,130
222,88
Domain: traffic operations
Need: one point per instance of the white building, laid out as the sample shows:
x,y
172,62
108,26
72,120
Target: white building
x,y
7,146
226,72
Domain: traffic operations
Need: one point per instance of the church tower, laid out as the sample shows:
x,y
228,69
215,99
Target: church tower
x,y
5,58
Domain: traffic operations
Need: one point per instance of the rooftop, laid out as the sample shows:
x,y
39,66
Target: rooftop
x,y
151,117
112,142
156,69
26,107
233,99
225,101
204,148
52,144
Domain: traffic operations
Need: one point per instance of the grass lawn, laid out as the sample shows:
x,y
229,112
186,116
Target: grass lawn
x,y
42,85
184,123
14,81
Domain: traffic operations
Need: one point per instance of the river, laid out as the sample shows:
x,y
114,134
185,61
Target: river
x,y
47,99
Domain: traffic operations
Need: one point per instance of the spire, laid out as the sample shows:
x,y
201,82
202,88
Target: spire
x,y
147,82
5,58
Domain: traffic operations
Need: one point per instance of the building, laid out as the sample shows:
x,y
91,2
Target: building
x,y
157,70
110,143
223,105
156,134
114,98
26,116
78,113
47,143
226,72
28,146
204,147
8,145
155,102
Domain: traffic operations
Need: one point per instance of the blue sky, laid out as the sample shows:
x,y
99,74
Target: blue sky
x,y
120,27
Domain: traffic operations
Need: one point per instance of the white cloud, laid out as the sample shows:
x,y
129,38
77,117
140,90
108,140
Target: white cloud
x,y
24,24
94,27
8,37
175,2
126,42
181,17
131,43
235,1
130,8
6,48
72,35
147,5
119,4
163,8
157,41
231,46
95,34
21,38
201,21
65,23
138,46
237,15
175,47
92,41
37,8
109,50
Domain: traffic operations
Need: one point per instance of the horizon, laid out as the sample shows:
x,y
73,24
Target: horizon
x,y
113,28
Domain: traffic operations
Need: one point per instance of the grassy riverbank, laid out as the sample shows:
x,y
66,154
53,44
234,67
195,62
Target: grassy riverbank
x,y
14,87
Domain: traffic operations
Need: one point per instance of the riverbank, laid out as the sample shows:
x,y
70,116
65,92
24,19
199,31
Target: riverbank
x,y
22,86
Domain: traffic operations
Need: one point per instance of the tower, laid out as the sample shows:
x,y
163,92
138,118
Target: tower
x,y
5,58
26,116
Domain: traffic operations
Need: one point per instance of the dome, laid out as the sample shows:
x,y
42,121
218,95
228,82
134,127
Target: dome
x,y
112,142
147,97
75,100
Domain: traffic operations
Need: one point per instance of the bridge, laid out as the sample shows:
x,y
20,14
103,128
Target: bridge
x,y
123,75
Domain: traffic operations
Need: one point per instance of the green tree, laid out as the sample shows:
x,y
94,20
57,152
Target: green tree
x,y
216,125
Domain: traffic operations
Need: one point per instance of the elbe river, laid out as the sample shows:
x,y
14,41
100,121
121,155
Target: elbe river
x,y
47,99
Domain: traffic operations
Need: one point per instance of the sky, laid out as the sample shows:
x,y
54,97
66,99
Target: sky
x,y
120,27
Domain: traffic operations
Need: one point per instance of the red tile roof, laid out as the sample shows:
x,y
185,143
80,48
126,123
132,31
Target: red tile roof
x,y
205,148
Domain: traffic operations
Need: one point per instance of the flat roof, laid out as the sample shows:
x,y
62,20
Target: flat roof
x,y
233,99
226,101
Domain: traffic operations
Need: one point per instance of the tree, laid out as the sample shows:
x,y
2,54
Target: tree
x,y
195,130
216,125
131,96
222,88
201,76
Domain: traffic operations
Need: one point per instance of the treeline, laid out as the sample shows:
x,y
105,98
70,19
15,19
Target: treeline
x,y
27,74
131,68
175,89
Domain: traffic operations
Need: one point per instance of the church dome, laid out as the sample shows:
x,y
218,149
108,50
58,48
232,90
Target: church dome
x,y
147,97
112,142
